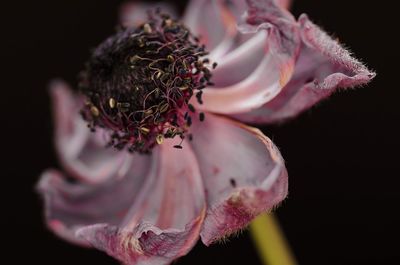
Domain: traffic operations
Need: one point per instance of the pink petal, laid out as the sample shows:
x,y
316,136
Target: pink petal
x,y
241,62
322,68
151,216
215,22
243,172
69,206
284,3
145,244
255,72
82,153
176,188
132,14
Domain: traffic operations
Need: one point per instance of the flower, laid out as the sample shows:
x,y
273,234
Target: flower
x,y
151,205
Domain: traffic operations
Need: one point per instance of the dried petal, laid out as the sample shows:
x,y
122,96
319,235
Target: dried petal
x,y
243,172
82,153
153,214
215,23
71,205
322,68
277,44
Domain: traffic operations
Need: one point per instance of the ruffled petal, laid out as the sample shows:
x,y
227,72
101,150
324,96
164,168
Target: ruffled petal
x,y
322,68
82,153
164,221
243,172
132,14
145,244
255,72
71,205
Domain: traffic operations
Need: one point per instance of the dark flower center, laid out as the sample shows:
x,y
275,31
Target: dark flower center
x,y
138,83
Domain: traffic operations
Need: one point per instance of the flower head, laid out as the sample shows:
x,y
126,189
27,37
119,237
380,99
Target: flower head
x,y
139,82
193,169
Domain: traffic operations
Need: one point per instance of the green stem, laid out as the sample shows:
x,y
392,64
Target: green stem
x,y
270,241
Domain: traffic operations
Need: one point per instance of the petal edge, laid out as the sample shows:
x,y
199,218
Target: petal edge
x,y
244,176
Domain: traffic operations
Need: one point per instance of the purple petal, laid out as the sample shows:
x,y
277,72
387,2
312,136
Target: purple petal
x,y
322,68
132,14
243,172
255,72
152,215
82,153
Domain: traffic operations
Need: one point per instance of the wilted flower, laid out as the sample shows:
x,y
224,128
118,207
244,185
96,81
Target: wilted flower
x,y
179,164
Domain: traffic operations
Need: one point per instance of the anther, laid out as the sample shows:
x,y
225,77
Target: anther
x,y
123,106
199,97
160,139
170,58
111,103
144,130
202,116
168,22
140,42
139,82
159,73
233,183
191,108
95,111
189,121
148,112
164,108
134,59
147,28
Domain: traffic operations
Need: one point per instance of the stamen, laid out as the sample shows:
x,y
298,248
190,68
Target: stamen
x,y
201,116
191,108
138,83
160,139
112,103
95,111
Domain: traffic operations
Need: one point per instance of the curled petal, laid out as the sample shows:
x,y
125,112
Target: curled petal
x,y
69,206
215,22
259,87
322,68
165,218
144,244
243,172
255,73
240,63
260,11
132,14
82,153
314,38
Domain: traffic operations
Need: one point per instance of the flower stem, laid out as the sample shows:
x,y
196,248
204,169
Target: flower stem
x,y
270,241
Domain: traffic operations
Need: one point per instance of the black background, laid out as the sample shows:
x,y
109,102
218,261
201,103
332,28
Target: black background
x,y
342,156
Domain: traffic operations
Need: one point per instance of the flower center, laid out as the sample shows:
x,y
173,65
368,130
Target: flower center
x,y
138,83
